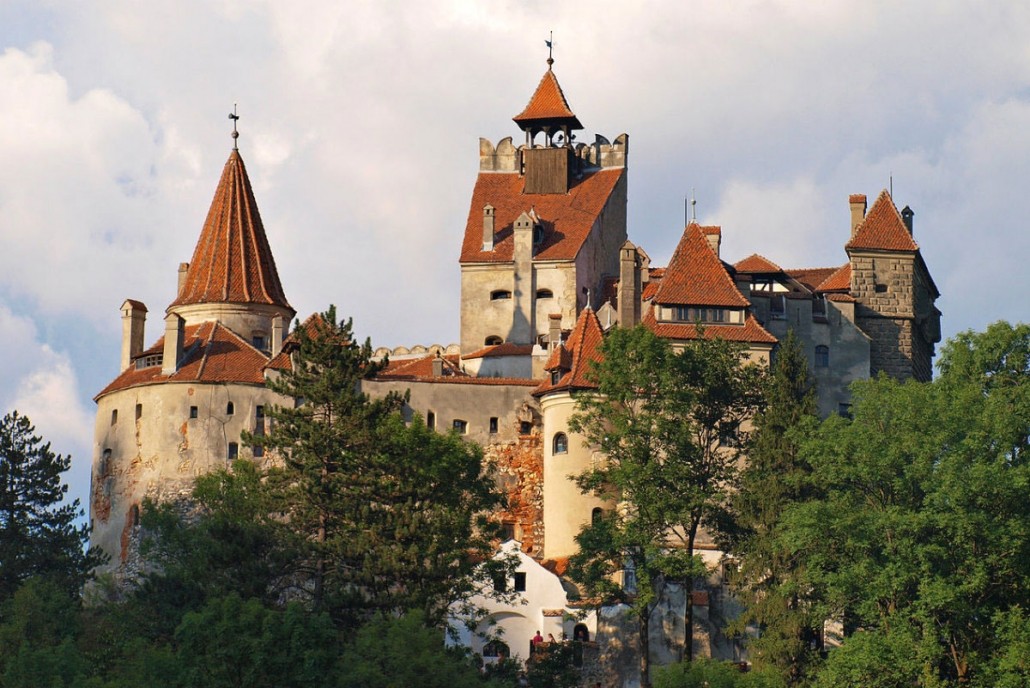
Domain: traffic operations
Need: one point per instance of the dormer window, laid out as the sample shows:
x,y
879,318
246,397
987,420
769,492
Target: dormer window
x,y
500,295
555,376
259,341
705,315
538,234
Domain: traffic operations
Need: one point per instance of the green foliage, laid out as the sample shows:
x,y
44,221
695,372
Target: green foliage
x,y
38,534
236,643
553,666
919,533
401,652
659,416
384,510
38,625
771,579
706,673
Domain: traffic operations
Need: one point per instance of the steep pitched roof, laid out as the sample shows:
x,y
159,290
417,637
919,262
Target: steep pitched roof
x,y
547,104
566,218
232,262
756,264
840,280
810,278
581,350
695,275
211,354
883,229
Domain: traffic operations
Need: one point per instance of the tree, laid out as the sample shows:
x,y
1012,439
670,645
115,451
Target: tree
x,y
662,418
919,534
38,533
770,579
389,512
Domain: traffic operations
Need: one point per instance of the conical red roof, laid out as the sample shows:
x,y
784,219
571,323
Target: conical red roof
x,y
579,353
548,104
883,229
232,262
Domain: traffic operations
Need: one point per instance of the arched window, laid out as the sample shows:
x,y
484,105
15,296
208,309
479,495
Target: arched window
x,y
822,356
493,340
431,420
596,514
496,648
560,444
544,294
230,409
581,633
500,294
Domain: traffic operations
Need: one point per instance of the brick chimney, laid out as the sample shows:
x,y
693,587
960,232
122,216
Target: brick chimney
x,y
858,207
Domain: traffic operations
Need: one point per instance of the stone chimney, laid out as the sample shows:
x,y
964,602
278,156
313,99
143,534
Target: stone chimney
x,y
629,286
488,227
183,269
858,207
906,215
437,366
714,237
134,317
277,334
175,334
521,331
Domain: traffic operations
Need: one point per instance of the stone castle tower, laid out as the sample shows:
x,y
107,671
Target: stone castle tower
x,y
177,408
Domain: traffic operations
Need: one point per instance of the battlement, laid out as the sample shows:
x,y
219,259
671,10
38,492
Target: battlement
x,y
416,351
506,157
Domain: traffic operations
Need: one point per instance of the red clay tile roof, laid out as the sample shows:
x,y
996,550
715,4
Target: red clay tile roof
x,y
547,104
232,262
212,354
841,298
280,361
856,198
750,332
560,358
839,280
505,349
695,275
583,347
567,218
756,264
883,229
422,367
811,278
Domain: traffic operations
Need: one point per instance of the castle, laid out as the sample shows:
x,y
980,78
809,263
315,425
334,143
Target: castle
x,y
546,268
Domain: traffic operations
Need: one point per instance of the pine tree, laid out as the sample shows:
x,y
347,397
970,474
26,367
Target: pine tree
x,y
768,580
38,533
389,510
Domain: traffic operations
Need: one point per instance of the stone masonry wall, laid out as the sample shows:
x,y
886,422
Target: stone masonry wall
x,y
518,467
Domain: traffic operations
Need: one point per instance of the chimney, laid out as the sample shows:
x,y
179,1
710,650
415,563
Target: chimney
x,y
553,331
714,237
437,366
629,286
858,206
277,334
175,333
906,215
183,269
134,317
488,227
522,327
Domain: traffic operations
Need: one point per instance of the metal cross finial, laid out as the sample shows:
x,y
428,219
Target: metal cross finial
x,y
550,50
235,134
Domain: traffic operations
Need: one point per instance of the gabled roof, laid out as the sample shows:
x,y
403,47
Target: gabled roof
x,y
810,278
232,262
548,104
839,280
212,353
566,218
883,229
695,276
751,332
756,264
583,347
422,367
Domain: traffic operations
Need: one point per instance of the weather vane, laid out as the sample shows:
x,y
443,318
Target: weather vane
x,y
550,49
235,134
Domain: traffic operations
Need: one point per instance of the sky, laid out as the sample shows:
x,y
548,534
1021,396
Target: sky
x,y
359,126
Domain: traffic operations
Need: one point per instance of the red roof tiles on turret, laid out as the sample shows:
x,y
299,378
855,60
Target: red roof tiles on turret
x,y
695,276
211,354
883,229
583,349
547,104
566,218
232,262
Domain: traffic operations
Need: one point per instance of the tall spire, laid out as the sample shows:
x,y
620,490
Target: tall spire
x,y
232,262
548,109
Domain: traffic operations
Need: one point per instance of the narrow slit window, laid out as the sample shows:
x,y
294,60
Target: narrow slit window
x,y
139,411
114,417
493,425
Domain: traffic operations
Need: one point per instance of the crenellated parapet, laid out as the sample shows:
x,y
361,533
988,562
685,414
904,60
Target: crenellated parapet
x,y
601,154
416,351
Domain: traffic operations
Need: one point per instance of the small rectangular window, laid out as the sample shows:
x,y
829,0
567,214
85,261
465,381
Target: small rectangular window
x,y
493,425
501,584
259,342
507,532
520,581
431,420
193,411
461,426
844,410
259,451
525,427
234,450
230,409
